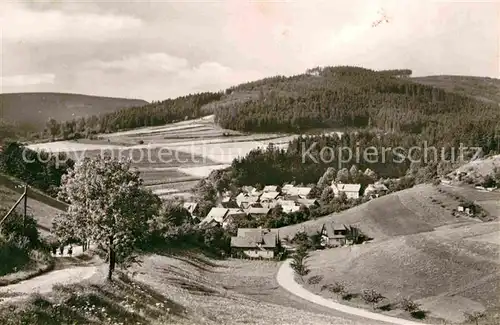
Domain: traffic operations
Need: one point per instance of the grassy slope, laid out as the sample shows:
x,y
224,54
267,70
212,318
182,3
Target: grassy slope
x,y
403,213
420,250
453,269
36,108
186,291
41,206
482,88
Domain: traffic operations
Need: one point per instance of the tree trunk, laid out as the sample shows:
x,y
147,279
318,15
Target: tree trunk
x,y
111,258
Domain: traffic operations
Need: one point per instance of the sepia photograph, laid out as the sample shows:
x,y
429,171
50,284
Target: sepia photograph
x,y
231,162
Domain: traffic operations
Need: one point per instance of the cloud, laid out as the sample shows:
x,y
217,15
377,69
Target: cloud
x,y
27,80
145,62
22,24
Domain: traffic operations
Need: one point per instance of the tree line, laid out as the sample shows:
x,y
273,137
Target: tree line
x,y
156,113
352,97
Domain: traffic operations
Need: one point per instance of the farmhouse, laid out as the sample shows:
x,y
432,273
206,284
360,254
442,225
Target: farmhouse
x,y
255,243
468,209
228,203
308,202
244,200
350,190
287,188
231,215
258,212
214,217
334,235
192,208
268,196
270,188
375,190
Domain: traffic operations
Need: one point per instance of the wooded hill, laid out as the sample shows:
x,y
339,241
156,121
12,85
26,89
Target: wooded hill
x,y
31,111
352,97
328,98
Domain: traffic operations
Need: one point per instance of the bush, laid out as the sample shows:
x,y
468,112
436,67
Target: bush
x,y
298,262
337,288
371,296
14,227
409,305
315,279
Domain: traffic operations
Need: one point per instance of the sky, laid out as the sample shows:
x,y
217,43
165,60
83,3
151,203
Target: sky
x,y
155,50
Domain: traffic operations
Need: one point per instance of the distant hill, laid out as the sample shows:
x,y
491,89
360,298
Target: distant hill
x,y
33,110
482,88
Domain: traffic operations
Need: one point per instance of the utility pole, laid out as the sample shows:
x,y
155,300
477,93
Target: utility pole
x,y
25,208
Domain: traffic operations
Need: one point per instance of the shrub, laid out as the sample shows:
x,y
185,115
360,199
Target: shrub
x,y
409,305
337,288
474,317
371,296
315,279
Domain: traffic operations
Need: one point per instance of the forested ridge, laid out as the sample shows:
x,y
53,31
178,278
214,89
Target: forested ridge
x,y
343,97
153,114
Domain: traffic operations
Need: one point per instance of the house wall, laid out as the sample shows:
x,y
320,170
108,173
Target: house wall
x,y
257,253
352,195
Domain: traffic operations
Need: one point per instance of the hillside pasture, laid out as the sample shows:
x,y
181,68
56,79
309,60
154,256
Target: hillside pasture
x,y
449,271
173,155
43,214
403,213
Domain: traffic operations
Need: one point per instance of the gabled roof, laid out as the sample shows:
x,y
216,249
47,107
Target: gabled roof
x,y
303,190
257,210
270,188
330,228
341,187
216,214
290,208
286,202
376,187
254,237
307,202
242,197
190,206
248,189
235,211
269,195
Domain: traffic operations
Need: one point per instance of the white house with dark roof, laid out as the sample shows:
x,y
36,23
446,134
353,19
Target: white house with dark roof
x,y
350,190
215,216
375,190
255,243
244,200
231,215
270,188
192,208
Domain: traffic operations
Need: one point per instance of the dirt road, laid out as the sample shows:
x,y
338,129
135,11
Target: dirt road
x,y
286,279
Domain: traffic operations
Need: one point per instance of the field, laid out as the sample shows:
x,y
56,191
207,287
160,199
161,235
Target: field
x,y
173,157
43,213
419,250
402,213
183,290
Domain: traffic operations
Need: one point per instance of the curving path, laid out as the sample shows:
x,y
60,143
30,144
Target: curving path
x,y
44,283
286,279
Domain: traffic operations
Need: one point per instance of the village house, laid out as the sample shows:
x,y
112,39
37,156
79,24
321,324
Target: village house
x,y
467,209
375,190
215,217
301,192
267,199
244,200
287,189
290,208
228,203
255,243
232,214
350,190
270,188
308,202
334,235
192,208
257,212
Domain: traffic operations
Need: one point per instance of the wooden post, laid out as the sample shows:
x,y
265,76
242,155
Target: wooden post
x,y
25,208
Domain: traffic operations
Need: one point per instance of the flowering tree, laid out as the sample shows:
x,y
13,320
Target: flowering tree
x,y
108,205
